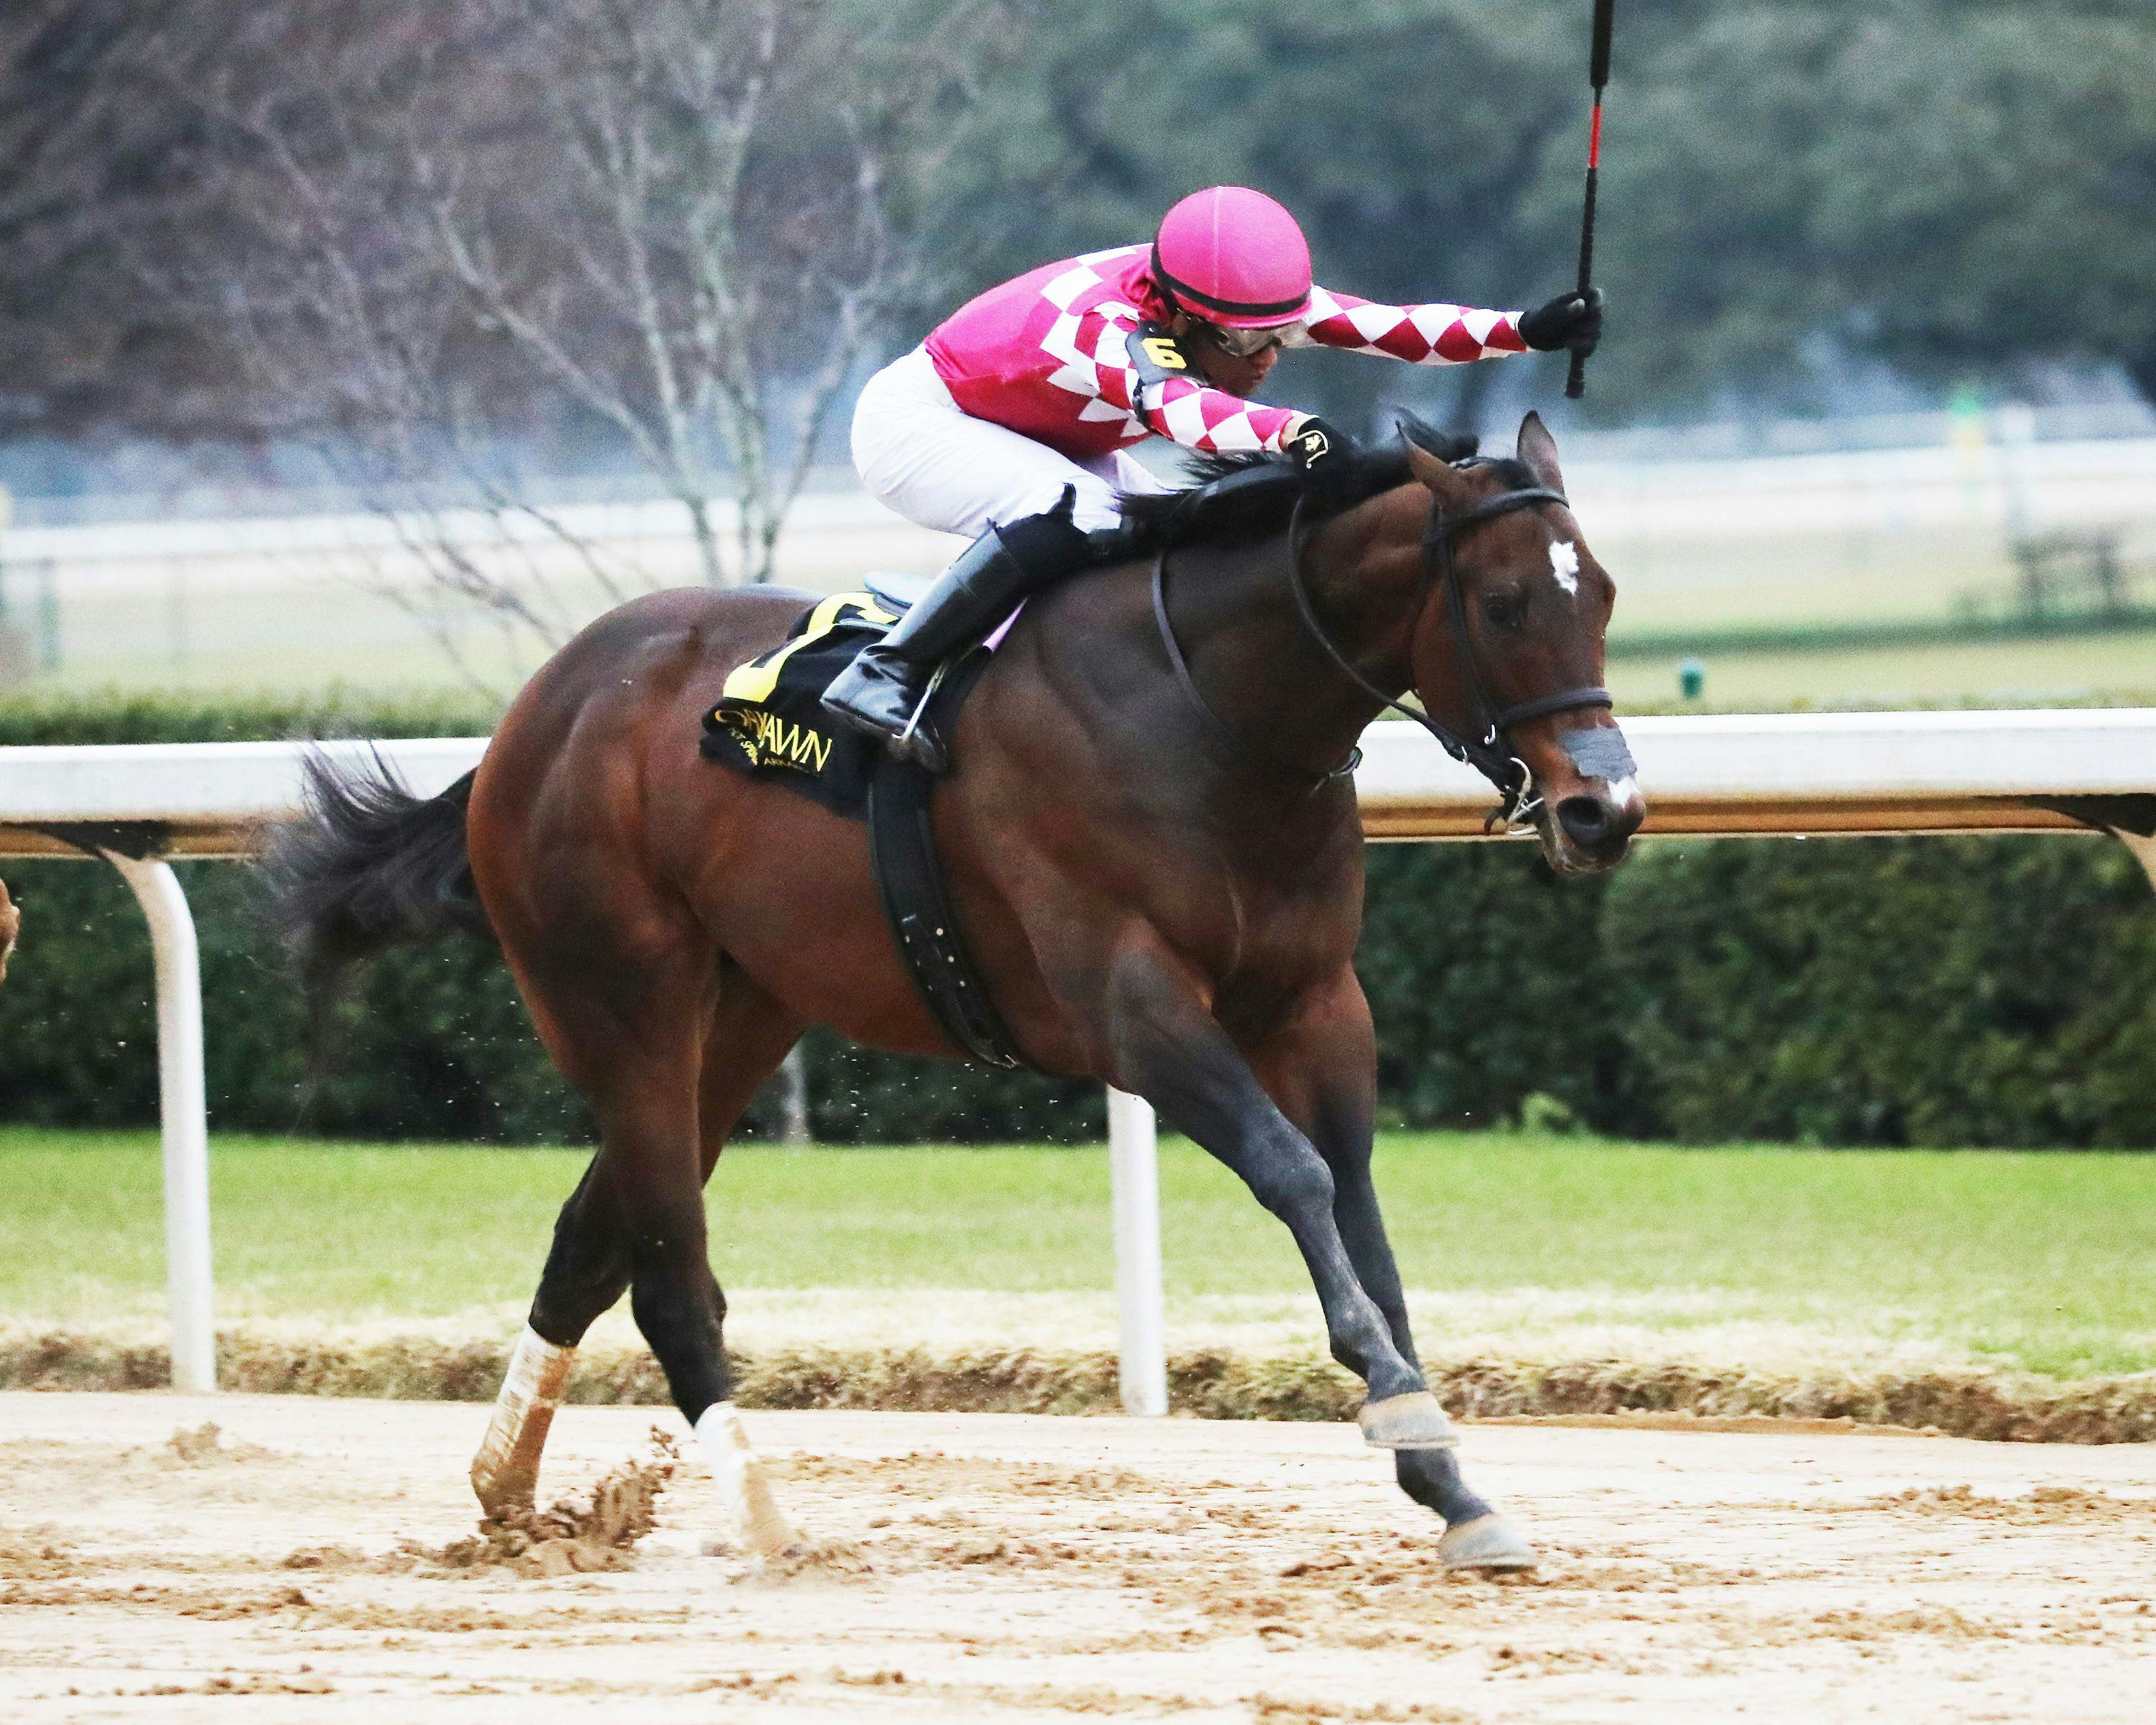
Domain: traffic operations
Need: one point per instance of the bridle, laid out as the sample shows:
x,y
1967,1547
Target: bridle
x,y
1489,753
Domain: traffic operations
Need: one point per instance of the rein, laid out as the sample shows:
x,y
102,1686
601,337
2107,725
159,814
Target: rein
x,y
1488,753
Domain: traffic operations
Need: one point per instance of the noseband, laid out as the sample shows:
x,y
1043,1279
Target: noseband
x,y
1489,753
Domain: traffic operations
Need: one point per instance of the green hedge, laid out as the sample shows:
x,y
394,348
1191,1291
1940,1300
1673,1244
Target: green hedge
x,y
1856,991
130,717
1939,991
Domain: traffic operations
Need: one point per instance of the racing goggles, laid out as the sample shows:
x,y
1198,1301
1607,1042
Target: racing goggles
x,y
1249,344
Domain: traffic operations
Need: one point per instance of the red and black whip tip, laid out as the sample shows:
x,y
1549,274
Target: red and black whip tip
x,y
1598,74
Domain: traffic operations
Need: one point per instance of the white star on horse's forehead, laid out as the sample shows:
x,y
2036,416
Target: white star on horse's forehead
x,y
1564,564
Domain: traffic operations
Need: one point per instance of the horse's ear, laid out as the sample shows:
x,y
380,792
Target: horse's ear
x,y
1418,433
1431,454
1448,484
1538,449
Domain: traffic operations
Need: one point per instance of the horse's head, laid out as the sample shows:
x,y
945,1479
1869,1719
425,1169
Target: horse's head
x,y
1535,605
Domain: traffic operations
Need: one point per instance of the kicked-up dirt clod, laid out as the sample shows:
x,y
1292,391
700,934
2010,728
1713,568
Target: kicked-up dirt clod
x,y
586,1532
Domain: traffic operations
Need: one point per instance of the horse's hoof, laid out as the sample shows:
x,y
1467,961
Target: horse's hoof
x,y
502,1486
759,1523
1413,1421
502,1495
1489,1542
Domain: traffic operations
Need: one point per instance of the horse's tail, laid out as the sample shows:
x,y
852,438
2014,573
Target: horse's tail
x,y
367,866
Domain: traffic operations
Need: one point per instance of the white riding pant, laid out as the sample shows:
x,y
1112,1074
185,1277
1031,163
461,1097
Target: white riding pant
x,y
935,463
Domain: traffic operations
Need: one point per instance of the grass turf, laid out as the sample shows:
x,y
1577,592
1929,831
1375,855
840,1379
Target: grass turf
x,y
2117,668
2039,1261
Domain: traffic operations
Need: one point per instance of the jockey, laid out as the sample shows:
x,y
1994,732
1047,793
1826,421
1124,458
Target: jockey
x,y
1009,423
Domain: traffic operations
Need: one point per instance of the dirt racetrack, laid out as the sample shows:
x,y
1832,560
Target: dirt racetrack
x,y
298,1564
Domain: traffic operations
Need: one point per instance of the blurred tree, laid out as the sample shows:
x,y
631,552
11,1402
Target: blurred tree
x,y
1429,148
670,222
1956,186
1994,192
89,169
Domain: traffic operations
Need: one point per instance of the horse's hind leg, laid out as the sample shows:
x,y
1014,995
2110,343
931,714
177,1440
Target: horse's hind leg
x,y
585,1271
750,1034
636,1220
588,1267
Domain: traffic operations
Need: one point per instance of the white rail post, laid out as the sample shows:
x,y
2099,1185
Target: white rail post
x,y
186,1114
1134,1179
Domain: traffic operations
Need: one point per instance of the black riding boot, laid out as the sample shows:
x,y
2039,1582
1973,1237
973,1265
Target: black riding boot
x,y
880,692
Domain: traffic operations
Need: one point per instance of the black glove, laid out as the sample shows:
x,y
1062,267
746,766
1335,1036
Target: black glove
x,y
1311,441
1050,540
1570,320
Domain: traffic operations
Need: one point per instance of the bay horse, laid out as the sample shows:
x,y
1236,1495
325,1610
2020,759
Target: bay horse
x,y
1150,835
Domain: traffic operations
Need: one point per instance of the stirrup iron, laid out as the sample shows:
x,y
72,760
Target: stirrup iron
x,y
902,745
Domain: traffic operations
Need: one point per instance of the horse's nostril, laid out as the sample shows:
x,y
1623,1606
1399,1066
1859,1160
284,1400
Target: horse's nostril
x,y
1587,821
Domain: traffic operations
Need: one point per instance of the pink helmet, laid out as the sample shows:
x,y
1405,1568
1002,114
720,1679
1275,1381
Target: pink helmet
x,y
1235,258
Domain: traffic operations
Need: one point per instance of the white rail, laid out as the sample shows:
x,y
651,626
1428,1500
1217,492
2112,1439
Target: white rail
x,y
1714,776
187,799
1709,774
1724,774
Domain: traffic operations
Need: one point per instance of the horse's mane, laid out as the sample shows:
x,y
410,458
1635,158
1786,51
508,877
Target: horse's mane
x,y
1232,499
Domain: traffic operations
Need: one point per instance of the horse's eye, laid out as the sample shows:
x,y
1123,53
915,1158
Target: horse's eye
x,y
1505,610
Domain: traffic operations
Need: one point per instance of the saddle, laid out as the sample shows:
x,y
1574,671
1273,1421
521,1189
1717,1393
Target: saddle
x,y
769,723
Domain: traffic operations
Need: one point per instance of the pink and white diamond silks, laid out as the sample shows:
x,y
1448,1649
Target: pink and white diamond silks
x,y
1047,356
1432,334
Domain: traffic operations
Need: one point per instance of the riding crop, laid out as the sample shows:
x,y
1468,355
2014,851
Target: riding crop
x,y
1575,383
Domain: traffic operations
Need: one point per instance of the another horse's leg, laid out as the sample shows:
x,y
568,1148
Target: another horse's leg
x,y
1322,1070
1167,1046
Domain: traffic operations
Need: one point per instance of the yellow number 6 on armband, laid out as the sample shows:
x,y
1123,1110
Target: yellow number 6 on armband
x,y
1164,353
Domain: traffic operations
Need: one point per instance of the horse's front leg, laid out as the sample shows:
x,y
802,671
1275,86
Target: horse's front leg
x,y
1166,1046
1322,1070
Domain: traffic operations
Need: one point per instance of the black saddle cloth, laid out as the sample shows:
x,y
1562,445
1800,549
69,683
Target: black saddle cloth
x,y
770,722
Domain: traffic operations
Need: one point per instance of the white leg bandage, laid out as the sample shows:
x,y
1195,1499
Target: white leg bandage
x,y
742,1482
505,1471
